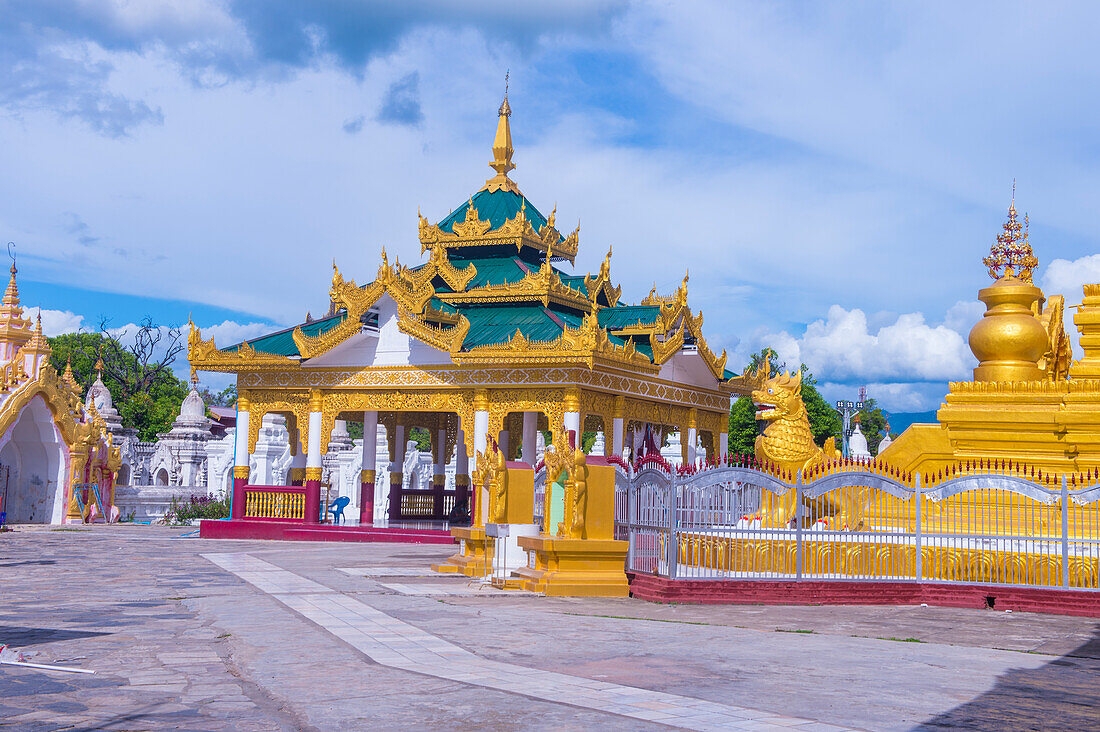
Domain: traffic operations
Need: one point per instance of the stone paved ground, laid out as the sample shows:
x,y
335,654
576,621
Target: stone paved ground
x,y
179,642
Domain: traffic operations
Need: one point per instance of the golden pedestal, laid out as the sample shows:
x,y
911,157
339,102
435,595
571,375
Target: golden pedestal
x,y
575,567
473,558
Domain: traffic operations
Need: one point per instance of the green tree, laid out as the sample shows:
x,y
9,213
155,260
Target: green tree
x,y
743,426
143,388
227,397
825,422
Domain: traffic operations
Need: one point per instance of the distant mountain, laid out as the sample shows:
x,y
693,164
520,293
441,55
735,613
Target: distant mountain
x,y
900,420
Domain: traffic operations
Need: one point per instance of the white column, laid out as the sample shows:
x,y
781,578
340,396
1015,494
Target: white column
x,y
313,451
530,437
617,436
481,428
723,444
689,446
573,422
502,443
441,458
240,449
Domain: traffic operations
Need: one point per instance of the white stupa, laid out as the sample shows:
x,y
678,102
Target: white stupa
x,y
857,443
99,397
598,444
885,442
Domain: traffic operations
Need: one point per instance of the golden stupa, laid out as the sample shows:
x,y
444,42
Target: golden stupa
x,y
1028,401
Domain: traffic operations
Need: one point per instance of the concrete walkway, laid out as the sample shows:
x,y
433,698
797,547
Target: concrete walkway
x,y
287,636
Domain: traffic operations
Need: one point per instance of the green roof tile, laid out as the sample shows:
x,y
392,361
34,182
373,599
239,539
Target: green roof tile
x,y
498,323
624,315
496,208
281,343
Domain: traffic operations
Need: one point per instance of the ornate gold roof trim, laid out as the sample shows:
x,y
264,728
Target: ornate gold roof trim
x,y
63,401
445,339
438,264
410,290
204,355
516,231
602,283
664,350
587,344
542,285
694,326
434,316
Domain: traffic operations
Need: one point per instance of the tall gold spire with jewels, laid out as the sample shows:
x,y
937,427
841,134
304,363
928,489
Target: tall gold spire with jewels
x,y
1011,255
502,149
1009,341
15,330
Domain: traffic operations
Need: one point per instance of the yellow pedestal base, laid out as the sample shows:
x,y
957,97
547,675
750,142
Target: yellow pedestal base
x,y
575,567
473,558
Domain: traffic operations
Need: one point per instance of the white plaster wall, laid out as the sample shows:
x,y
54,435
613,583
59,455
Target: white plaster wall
x,y
687,367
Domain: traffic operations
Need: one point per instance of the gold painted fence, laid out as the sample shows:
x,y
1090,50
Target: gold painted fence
x,y
275,504
990,524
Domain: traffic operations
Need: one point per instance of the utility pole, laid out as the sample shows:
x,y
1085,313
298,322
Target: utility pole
x,y
847,409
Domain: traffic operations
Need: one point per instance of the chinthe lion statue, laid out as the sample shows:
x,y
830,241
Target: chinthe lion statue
x,y
788,443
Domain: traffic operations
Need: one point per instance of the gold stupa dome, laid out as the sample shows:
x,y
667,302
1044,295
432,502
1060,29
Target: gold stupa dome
x,y
1009,340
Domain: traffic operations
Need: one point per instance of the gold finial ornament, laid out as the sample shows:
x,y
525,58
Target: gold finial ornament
x,y
1010,341
502,149
1011,255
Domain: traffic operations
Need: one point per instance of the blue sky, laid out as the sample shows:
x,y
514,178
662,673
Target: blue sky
x,y
830,173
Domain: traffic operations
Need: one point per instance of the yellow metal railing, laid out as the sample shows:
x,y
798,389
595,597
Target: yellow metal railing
x,y
275,505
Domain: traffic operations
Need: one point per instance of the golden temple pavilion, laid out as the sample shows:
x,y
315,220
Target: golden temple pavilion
x,y
487,339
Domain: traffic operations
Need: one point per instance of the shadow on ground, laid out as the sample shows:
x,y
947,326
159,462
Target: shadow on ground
x,y
19,636
1060,695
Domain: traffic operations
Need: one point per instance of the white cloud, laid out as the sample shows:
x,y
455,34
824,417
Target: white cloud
x,y
963,315
915,397
1065,277
56,322
905,363
842,348
229,333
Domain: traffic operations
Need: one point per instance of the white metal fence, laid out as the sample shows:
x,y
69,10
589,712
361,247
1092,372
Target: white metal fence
x,y
864,522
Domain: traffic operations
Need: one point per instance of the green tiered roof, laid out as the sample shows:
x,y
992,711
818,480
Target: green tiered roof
x,y
541,310
496,207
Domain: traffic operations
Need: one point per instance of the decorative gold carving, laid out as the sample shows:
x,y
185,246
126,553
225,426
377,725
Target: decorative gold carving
x,y
517,232
601,283
666,349
432,379
445,339
295,404
586,345
542,285
240,472
205,356
1011,255
313,474
367,476
439,265
558,459
473,226
1058,357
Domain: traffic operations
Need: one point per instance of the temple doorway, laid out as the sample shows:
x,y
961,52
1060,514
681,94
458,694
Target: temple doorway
x,y
35,458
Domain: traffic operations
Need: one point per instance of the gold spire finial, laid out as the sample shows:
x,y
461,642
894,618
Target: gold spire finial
x,y
502,149
1011,254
